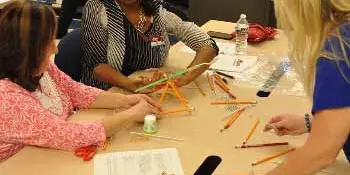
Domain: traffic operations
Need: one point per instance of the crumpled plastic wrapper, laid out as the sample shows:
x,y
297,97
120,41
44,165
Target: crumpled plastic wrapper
x,y
255,77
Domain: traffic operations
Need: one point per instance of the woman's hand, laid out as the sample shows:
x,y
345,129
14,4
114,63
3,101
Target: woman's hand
x,y
287,125
142,108
144,80
134,99
137,107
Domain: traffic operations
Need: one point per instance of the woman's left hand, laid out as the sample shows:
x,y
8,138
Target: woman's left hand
x,y
145,80
136,98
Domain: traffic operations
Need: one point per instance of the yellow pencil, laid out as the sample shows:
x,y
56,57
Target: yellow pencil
x,y
272,157
233,118
210,81
225,89
200,89
163,94
178,94
172,111
218,78
251,131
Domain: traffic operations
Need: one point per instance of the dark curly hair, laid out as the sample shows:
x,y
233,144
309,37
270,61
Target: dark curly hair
x,y
26,29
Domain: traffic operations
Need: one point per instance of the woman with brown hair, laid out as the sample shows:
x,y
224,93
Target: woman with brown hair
x,y
37,98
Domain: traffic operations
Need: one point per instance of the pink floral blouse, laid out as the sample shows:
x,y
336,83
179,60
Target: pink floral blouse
x,y
40,118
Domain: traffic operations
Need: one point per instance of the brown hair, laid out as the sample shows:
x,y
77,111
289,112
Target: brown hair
x,y
26,30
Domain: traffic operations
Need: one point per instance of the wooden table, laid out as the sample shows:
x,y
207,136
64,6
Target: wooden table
x,y
199,130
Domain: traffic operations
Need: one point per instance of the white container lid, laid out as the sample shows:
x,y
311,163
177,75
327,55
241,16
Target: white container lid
x,y
150,118
243,16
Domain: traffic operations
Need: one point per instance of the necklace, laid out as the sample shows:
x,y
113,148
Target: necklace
x,y
142,21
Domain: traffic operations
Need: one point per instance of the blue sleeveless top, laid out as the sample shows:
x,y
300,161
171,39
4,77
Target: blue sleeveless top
x,y
332,83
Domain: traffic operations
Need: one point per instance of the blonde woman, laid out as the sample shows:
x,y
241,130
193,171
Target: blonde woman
x,y
319,33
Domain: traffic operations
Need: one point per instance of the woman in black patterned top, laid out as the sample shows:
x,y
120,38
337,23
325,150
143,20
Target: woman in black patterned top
x,y
123,36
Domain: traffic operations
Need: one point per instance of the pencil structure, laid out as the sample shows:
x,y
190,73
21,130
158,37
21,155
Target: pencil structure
x,y
163,93
199,87
171,76
251,131
178,94
262,145
233,118
156,136
210,82
272,157
237,102
172,111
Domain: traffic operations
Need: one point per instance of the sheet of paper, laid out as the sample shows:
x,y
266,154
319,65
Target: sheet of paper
x,y
229,63
147,162
225,48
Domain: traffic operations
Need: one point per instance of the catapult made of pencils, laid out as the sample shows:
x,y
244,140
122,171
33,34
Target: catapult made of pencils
x,y
170,85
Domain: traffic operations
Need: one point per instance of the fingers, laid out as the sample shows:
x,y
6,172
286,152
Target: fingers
x,y
281,132
151,101
275,123
267,127
276,119
145,80
158,75
280,125
153,109
277,131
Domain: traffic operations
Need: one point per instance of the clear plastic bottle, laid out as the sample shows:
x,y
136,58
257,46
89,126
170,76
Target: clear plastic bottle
x,y
242,27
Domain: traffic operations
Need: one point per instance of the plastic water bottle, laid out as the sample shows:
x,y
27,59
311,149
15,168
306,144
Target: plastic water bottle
x,y
242,27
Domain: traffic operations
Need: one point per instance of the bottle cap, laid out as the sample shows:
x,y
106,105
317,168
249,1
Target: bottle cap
x,y
243,16
150,118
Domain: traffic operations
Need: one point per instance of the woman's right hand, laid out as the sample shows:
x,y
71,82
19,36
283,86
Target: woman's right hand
x,y
287,124
139,107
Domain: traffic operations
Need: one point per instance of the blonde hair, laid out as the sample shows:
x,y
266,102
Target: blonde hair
x,y
307,24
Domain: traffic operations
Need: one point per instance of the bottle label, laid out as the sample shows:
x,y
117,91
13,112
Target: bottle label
x,y
241,30
150,127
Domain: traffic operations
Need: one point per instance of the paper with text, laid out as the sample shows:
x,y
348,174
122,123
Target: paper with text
x,y
147,162
229,63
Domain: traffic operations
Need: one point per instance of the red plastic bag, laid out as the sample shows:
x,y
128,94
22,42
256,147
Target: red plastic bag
x,y
258,33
